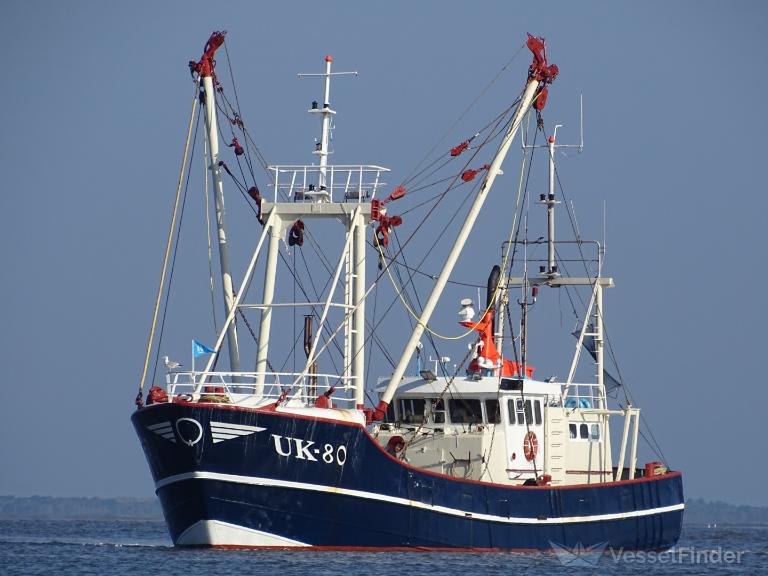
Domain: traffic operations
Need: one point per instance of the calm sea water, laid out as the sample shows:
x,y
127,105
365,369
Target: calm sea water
x,y
141,547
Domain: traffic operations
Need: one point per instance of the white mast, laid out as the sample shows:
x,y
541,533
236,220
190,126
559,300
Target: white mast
x,y
326,114
205,70
358,364
275,235
551,202
321,148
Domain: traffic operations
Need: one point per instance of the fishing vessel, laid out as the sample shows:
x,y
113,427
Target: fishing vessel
x,y
478,455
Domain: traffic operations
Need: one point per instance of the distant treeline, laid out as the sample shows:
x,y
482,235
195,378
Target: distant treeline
x,y
47,507
697,511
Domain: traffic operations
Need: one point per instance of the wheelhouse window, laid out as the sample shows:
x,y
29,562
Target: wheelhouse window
x,y
412,410
464,411
437,411
584,431
522,412
492,411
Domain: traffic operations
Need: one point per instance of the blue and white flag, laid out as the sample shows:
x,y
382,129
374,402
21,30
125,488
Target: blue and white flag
x,y
200,349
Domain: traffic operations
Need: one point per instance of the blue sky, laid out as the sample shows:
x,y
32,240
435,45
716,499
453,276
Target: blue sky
x,y
95,101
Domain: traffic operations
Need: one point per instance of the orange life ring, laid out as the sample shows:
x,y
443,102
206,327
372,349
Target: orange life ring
x,y
530,446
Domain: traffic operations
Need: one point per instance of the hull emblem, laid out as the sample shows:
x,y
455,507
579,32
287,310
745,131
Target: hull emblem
x,y
190,431
164,430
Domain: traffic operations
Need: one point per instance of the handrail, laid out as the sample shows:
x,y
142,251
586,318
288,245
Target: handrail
x,y
587,391
235,385
339,178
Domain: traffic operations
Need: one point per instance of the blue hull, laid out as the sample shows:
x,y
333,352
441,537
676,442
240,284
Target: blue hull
x,y
287,480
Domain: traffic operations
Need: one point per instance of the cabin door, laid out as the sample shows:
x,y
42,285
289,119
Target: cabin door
x,y
524,433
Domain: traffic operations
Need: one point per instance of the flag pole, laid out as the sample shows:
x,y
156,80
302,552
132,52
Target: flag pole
x,y
193,358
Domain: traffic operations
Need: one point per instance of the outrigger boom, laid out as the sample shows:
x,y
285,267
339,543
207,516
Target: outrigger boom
x,y
540,75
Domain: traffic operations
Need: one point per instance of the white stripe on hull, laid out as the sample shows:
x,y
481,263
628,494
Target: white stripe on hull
x,y
221,431
236,427
159,426
217,533
255,481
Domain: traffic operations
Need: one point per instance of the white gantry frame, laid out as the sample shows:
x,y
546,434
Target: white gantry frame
x,y
350,267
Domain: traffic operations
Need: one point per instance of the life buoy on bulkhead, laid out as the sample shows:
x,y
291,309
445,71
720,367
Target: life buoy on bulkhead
x,y
530,446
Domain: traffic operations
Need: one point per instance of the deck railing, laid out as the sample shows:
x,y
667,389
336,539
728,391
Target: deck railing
x,y
292,388
343,183
583,396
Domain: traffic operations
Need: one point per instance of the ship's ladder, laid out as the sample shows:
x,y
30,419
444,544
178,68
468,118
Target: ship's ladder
x,y
555,438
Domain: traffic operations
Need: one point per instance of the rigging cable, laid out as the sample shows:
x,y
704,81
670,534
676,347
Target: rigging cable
x,y
372,335
403,286
504,264
428,275
282,257
238,121
139,396
386,268
418,302
238,118
652,441
431,338
242,188
295,332
208,232
654,445
465,112
370,356
519,360
418,185
432,208
294,274
401,248
175,251
234,142
253,335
